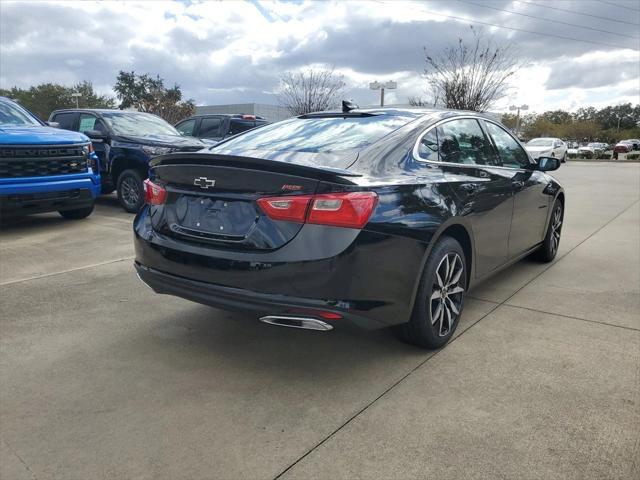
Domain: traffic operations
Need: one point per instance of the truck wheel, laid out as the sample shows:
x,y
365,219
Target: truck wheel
x,y
77,213
130,191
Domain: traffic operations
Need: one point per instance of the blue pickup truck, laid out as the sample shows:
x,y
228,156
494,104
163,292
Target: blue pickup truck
x,y
44,169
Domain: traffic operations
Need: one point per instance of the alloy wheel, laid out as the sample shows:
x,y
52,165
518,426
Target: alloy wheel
x,y
130,191
445,300
556,228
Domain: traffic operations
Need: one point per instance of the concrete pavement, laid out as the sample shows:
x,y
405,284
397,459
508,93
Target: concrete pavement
x,y
101,378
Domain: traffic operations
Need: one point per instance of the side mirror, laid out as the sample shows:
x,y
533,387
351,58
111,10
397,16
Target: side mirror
x,y
53,124
548,164
95,135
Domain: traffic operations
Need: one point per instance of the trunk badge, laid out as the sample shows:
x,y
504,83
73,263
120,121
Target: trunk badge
x,y
204,182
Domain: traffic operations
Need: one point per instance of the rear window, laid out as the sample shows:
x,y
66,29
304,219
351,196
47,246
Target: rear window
x,y
319,135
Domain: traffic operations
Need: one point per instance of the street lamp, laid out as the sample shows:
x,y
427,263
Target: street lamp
x,y
620,117
382,86
521,107
76,95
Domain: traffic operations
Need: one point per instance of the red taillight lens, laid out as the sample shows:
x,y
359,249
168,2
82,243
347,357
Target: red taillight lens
x,y
292,208
351,210
154,194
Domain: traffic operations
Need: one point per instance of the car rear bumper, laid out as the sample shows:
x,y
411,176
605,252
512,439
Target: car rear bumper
x,y
368,278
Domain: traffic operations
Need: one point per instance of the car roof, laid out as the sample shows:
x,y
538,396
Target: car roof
x,y
231,115
99,110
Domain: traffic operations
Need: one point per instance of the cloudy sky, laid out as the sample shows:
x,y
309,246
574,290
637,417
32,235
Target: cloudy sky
x,y
235,51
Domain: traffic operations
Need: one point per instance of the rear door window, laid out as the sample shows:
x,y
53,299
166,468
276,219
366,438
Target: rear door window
x,y
67,120
463,141
428,146
210,128
509,150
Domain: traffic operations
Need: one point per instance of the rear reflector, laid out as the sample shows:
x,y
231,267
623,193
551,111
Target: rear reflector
x,y
154,194
350,210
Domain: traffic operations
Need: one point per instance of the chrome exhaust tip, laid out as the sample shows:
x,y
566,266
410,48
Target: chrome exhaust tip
x,y
297,322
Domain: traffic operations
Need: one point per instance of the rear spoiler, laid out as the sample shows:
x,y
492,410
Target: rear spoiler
x,y
275,166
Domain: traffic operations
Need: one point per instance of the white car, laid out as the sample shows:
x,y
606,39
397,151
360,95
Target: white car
x,y
547,147
593,148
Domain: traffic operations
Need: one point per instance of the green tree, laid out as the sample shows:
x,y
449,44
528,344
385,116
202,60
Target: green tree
x,y
43,99
148,94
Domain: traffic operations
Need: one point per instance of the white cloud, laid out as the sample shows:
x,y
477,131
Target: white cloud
x,y
225,52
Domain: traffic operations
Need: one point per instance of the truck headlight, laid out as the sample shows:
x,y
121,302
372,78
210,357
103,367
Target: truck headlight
x,y
153,151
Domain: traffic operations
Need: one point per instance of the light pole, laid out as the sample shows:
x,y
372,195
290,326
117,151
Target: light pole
x,y
381,86
521,107
620,117
76,95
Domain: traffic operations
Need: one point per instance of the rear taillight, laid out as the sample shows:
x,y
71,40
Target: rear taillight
x,y
350,210
154,194
291,209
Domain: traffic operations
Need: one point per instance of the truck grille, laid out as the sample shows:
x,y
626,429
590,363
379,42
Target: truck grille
x,y
30,161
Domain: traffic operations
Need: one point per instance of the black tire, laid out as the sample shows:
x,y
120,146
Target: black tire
x,y
431,326
106,190
130,191
77,214
549,248
564,158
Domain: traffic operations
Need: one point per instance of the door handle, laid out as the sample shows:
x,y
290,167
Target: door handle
x,y
517,185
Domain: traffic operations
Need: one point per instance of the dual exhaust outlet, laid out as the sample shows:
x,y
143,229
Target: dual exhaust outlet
x,y
305,323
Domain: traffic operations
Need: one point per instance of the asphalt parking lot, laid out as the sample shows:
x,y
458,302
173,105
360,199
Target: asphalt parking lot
x,y
101,378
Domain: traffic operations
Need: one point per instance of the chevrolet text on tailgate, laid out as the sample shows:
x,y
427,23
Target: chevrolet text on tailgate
x,y
378,217
44,169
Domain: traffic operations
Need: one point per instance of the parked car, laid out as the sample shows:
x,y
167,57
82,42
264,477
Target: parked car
x,y
44,169
594,148
376,217
635,143
547,147
623,146
125,142
572,148
213,128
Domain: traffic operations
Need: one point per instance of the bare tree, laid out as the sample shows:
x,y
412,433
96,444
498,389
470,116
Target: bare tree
x,y
472,77
311,90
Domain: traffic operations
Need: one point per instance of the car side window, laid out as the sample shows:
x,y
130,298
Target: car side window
x,y
510,152
91,122
66,120
210,128
463,141
186,127
428,146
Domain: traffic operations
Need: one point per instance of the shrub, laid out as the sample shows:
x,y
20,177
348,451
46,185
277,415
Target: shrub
x,y
633,156
572,155
585,155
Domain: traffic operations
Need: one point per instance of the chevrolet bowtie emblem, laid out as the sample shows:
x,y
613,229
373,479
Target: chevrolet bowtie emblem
x,y
204,182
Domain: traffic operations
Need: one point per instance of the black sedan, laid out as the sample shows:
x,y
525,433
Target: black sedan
x,y
377,218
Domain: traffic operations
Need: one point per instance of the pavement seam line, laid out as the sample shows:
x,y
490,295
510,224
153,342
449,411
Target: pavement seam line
x,y
33,475
420,364
47,275
573,318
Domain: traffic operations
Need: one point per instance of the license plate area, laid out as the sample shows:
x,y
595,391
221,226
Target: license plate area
x,y
214,218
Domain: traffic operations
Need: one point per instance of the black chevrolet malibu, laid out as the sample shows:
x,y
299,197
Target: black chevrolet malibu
x,y
377,218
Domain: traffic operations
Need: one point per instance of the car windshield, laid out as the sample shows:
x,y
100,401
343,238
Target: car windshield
x,y
540,142
12,115
319,135
593,145
138,124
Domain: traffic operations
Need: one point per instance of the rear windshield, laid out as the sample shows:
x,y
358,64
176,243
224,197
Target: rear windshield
x,y
319,135
540,142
